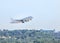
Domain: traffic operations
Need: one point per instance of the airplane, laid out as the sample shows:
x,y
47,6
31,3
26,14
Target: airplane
x,y
27,19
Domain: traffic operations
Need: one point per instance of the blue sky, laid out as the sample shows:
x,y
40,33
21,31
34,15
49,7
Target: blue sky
x,y
46,14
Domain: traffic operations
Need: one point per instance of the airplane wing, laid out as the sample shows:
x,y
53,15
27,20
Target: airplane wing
x,y
27,19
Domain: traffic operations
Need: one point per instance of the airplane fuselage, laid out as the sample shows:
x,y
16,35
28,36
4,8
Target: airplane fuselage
x,y
27,19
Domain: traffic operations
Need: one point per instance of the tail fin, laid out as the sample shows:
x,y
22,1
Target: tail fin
x,y
12,19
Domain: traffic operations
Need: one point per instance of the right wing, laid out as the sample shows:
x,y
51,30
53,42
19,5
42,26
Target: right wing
x,y
27,19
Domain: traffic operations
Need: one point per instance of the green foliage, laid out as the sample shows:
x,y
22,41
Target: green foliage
x,y
29,36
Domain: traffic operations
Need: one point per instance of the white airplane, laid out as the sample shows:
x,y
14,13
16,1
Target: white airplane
x,y
27,19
